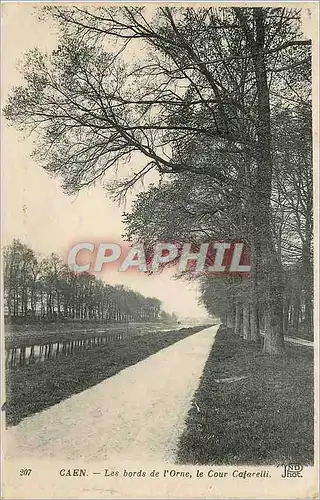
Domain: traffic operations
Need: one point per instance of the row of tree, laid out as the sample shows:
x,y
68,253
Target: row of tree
x,y
189,207
48,289
218,101
263,189
229,299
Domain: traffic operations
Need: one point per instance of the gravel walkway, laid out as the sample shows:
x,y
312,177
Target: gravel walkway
x,y
137,414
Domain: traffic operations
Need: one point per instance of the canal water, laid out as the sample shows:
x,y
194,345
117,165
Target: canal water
x,y
27,355
19,356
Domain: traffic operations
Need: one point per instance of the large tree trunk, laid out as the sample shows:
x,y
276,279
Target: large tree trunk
x,y
274,342
286,315
296,313
230,319
238,319
254,292
246,321
308,276
254,321
308,315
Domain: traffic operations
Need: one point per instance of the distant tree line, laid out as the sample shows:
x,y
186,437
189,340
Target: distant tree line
x,y
48,289
230,299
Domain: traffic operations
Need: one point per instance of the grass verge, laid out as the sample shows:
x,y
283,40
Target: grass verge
x,y
265,418
33,388
43,333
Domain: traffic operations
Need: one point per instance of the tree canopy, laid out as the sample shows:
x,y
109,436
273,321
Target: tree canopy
x,y
206,96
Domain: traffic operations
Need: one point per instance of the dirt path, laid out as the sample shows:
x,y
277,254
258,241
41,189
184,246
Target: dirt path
x,y
297,340
137,414
294,340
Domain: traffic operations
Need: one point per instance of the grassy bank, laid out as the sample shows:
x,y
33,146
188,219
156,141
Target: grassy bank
x,y
265,418
42,333
33,388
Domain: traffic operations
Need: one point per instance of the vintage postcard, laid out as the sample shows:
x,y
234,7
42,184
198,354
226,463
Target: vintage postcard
x,y
159,250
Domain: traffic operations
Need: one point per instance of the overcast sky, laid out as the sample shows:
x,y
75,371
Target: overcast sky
x,y
34,206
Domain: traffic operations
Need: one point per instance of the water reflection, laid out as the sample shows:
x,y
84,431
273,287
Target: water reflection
x,y
27,355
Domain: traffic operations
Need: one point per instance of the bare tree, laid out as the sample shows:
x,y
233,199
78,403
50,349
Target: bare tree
x,y
207,74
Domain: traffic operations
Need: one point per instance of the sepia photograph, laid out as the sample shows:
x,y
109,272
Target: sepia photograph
x,y
159,250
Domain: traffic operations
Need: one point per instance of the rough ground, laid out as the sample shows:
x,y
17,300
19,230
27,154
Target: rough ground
x,y
253,409
137,414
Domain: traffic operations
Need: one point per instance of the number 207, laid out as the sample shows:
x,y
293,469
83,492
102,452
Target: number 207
x,y
25,472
